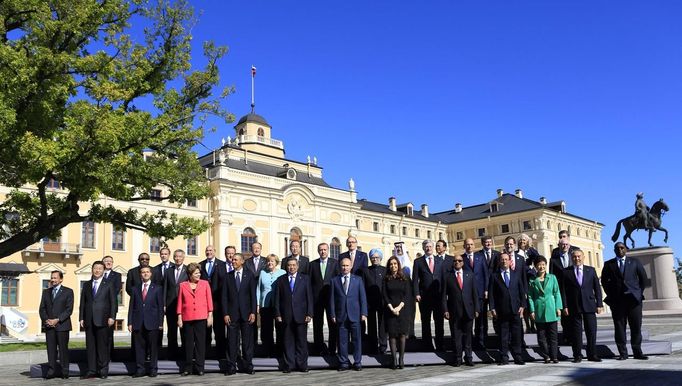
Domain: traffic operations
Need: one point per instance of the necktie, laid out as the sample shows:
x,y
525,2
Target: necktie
x,y
506,278
163,270
94,288
487,257
255,264
54,292
210,268
621,265
345,285
513,261
459,280
239,280
177,273
471,261
579,275
323,267
144,292
352,259
430,263
564,260
106,275
291,283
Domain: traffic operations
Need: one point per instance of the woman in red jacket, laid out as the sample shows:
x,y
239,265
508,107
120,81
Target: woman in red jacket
x,y
195,314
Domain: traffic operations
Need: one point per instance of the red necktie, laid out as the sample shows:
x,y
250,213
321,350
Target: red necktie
x,y
459,280
513,262
471,261
144,292
431,264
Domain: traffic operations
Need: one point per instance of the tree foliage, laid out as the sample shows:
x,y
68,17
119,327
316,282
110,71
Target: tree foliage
x,y
105,108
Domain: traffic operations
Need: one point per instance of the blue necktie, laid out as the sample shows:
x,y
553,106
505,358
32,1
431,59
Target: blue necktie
x,y
291,283
506,279
239,280
94,288
210,267
621,265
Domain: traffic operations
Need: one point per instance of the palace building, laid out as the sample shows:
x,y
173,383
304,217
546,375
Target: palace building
x,y
259,194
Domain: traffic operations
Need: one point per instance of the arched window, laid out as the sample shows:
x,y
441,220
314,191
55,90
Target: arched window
x,y
248,237
261,132
241,131
335,248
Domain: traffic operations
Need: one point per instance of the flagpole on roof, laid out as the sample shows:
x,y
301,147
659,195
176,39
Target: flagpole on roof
x,y
253,89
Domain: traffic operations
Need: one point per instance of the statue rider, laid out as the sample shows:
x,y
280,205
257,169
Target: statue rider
x,y
642,211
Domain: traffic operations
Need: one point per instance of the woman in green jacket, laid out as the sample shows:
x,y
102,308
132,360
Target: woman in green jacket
x,y
545,304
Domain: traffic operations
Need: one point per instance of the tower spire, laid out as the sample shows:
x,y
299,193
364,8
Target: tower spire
x,y
253,89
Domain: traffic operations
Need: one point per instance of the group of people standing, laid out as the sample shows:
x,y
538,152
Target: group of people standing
x,y
361,301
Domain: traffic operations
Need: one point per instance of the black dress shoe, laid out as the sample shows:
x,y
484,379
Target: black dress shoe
x,y
621,357
457,364
343,368
231,372
153,375
138,375
641,357
577,360
304,370
502,363
469,362
184,373
89,376
594,359
200,373
519,362
251,371
286,371
357,367
555,361
65,376
103,376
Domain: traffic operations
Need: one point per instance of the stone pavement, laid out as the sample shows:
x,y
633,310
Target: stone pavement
x,y
659,370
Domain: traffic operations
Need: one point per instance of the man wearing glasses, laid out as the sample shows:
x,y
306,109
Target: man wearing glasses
x,y
133,278
460,308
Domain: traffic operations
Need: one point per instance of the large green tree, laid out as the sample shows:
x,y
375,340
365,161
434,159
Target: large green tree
x,y
88,90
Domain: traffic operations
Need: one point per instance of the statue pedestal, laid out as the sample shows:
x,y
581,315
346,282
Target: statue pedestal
x,y
662,293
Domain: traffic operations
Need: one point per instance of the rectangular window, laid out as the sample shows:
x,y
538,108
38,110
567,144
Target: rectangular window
x,y
375,226
428,234
440,236
416,232
10,292
192,246
119,296
505,228
392,229
118,239
53,184
404,231
357,224
192,203
527,226
481,232
88,234
155,195
247,240
46,284
334,250
118,325
154,245
460,235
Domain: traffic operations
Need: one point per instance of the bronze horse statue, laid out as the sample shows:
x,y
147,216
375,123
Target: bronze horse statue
x,y
632,223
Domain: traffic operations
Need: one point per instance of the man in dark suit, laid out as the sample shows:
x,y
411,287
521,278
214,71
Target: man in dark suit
x,y
294,308
442,254
460,307
56,307
507,301
97,313
348,307
373,277
255,264
560,260
582,299
160,270
322,271
475,263
215,271
624,280
427,286
133,278
175,275
240,306
145,321
359,259
303,261
115,279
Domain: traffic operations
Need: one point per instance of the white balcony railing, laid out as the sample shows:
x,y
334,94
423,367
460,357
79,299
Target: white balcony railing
x,y
258,139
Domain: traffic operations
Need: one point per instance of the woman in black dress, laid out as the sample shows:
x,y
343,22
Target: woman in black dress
x,y
397,291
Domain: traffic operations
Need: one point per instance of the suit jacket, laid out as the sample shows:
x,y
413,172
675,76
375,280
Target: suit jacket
x,y
321,286
460,303
585,298
492,265
61,307
520,269
480,271
630,283
249,264
157,273
426,284
133,279
96,310
556,267
347,306
303,264
238,303
195,305
147,313
373,277
448,260
361,261
293,306
170,287
116,280
215,281
506,301
544,299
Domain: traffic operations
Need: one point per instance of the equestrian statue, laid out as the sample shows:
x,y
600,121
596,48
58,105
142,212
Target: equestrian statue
x,y
644,218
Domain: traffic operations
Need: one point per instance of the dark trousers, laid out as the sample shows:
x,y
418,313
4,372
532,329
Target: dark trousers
x,y
97,345
236,331
218,331
629,311
319,312
376,330
353,329
267,325
295,346
548,339
195,343
172,322
429,308
57,340
510,336
146,341
589,321
462,335
567,329
481,324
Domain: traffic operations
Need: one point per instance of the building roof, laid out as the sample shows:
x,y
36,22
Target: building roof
x,y
507,204
275,171
383,208
13,269
252,117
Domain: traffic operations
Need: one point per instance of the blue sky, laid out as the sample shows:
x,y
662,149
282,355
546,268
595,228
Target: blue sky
x,y
442,102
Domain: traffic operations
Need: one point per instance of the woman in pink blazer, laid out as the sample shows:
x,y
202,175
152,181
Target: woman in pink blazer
x,y
195,314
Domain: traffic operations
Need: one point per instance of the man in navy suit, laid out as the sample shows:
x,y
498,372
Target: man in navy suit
x,y
97,312
322,271
145,321
160,270
359,259
560,260
214,271
115,279
175,275
240,307
303,261
460,306
56,307
256,262
426,280
507,301
624,280
475,263
294,308
582,299
442,254
348,307
373,278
